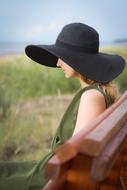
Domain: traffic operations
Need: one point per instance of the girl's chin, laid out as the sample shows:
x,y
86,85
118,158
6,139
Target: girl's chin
x,y
67,76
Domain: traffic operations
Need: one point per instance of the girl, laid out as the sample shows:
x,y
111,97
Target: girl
x,y
92,102
76,52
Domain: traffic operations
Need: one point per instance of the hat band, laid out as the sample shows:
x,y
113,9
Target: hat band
x,y
77,48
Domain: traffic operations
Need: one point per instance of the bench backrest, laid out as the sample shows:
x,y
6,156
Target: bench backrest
x,y
102,141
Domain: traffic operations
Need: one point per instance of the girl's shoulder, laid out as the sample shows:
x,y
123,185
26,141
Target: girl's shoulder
x,y
93,97
95,93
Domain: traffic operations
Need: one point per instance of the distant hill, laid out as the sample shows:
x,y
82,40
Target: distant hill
x,y
120,41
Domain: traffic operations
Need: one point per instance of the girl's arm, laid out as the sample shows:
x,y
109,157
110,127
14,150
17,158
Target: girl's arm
x,y
92,104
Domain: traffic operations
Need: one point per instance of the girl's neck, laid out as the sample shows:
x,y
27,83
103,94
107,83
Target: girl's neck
x,y
83,84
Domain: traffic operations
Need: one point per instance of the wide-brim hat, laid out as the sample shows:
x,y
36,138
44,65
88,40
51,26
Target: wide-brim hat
x,y
78,46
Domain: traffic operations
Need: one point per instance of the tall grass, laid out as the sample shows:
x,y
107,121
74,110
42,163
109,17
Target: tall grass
x,y
121,79
27,132
31,105
24,79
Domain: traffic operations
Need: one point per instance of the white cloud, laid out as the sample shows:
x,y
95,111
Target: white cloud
x,y
50,29
36,30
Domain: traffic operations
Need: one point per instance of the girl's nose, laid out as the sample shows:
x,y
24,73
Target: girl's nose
x,y
58,64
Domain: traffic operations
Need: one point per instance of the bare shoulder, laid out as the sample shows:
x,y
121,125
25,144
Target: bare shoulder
x,y
92,104
93,97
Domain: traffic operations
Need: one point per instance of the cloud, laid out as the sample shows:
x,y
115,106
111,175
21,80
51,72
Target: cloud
x,y
36,30
47,28
50,29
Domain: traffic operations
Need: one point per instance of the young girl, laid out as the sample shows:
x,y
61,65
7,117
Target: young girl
x,y
76,52
92,102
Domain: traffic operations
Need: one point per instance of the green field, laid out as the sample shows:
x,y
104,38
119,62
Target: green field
x,y
32,101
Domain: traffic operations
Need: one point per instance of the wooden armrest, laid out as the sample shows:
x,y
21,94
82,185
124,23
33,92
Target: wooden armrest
x,y
103,163
59,162
55,184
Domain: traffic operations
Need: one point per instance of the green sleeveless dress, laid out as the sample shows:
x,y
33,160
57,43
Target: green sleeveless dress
x,y
30,175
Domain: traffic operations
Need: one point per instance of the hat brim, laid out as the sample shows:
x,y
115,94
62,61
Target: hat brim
x,y
100,67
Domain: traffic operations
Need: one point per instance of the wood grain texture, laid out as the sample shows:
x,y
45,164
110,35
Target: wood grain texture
x,y
103,163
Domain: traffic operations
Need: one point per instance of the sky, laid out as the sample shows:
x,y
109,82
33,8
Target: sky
x,y
42,20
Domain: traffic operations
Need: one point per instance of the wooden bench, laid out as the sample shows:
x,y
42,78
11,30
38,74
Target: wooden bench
x,y
93,159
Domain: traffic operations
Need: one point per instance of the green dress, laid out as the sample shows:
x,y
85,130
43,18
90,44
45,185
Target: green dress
x,y
29,175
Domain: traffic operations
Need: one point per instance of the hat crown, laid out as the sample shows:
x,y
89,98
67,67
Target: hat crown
x,y
79,35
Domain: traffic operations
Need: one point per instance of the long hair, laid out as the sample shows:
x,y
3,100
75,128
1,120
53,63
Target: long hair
x,y
110,88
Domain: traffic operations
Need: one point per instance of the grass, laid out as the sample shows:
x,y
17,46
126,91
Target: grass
x,y
28,79
31,105
28,131
121,79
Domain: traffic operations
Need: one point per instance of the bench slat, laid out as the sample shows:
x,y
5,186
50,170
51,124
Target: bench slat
x,y
54,185
104,162
95,142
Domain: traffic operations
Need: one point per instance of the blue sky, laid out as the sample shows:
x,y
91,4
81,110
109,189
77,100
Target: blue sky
x,y
42,20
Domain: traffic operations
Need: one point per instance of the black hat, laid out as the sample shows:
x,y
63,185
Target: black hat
x,y
78,46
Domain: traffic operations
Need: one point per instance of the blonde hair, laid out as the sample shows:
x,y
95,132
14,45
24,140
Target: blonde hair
x,y
110,88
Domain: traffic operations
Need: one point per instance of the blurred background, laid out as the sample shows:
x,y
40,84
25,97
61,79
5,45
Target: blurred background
x,y
33,98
